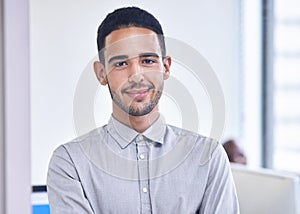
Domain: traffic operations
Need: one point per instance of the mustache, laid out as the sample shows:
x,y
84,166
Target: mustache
x,y
137,86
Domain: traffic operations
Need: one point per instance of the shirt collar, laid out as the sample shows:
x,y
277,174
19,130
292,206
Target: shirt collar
x,y
124,135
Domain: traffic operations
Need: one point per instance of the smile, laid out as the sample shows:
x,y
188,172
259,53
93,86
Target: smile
x,y
137,93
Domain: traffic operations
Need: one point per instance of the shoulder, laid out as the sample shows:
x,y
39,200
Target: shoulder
x,y
205,147
74,146
199,139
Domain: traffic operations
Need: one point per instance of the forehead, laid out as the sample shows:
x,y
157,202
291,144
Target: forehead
x,y
131,41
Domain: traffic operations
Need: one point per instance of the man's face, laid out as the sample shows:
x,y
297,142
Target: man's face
x,y
134,69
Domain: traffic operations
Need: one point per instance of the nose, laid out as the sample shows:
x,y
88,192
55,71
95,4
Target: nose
x,y
135,73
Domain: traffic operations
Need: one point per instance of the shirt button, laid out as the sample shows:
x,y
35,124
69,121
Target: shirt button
x,y
139,138
145,190
142,157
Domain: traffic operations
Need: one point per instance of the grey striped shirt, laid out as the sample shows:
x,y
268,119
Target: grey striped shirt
x,y
114,169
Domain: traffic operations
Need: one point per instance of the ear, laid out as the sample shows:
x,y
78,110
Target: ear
x,y
167,64
100,72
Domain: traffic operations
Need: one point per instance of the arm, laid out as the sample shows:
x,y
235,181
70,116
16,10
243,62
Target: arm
x,y
220,194
65,191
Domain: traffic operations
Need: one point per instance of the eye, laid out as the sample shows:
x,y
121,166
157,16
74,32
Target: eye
x,y
120,64
148,61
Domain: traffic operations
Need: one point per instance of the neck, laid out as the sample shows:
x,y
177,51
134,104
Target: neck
x,y
138,123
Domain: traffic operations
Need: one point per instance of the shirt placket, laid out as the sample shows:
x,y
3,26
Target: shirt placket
x,y
143,171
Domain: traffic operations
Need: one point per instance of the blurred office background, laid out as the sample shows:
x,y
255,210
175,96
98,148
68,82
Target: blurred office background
x,y
46,46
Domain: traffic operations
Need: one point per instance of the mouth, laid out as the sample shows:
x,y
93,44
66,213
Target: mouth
x,y
138,94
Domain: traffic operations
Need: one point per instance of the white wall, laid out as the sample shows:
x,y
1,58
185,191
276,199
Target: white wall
x,y
63,43
252,81
15,182
2,124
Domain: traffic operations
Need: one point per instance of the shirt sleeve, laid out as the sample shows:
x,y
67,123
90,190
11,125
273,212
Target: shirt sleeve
x,y
65,192
220,195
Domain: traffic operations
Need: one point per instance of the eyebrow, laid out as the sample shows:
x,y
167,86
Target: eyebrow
x,y
119,57
149,55
122,57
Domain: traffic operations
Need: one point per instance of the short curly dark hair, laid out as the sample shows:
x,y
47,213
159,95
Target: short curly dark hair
x,y
128,17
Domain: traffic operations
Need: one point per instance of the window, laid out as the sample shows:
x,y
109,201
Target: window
x,y
286,83
271,84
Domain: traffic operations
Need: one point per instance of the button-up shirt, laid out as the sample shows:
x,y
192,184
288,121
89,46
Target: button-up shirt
x,y
114,169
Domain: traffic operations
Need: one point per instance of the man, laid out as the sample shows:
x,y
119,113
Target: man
x,y
137,163
234,152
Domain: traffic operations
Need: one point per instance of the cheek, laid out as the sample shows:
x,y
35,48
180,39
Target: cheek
x,y
116,81
154,77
